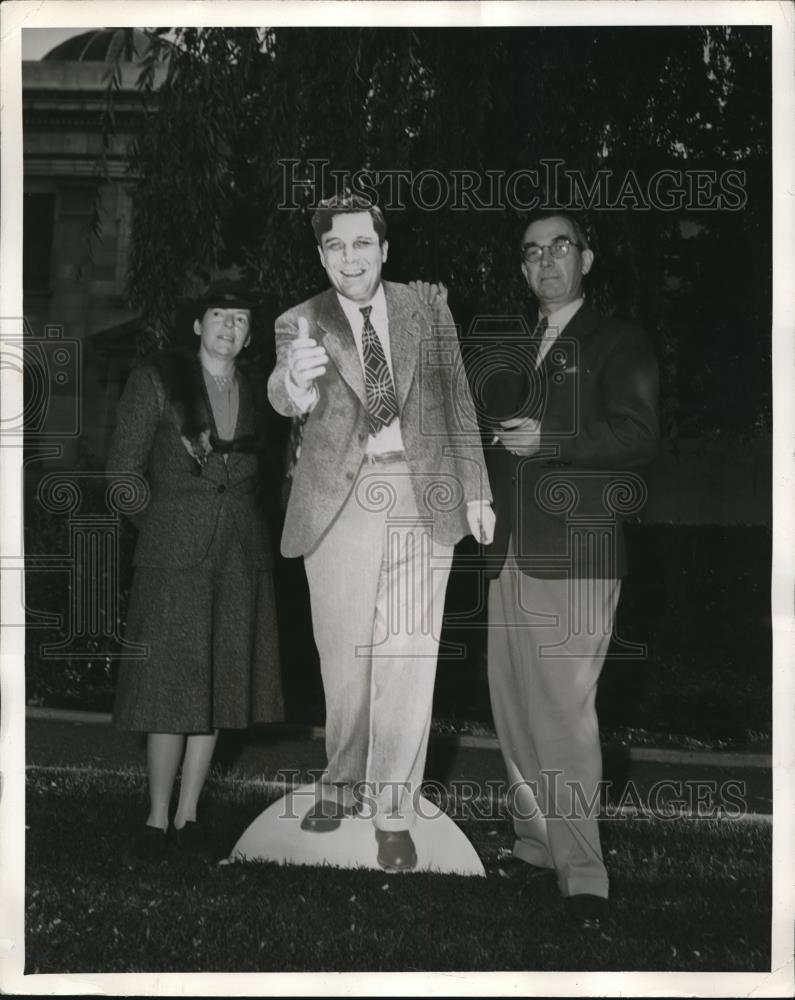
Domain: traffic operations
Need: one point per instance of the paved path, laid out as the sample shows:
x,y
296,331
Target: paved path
x,y
647,778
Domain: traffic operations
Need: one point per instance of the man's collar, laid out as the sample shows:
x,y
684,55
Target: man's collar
x,y
351,308
560,318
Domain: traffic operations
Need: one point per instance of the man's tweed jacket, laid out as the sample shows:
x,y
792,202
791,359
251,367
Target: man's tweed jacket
x,y
437,419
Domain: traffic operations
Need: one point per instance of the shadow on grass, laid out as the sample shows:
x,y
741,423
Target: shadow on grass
x,y
687,896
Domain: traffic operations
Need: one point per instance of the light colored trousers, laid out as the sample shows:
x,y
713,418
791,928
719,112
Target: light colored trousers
x,y
546,646
377,585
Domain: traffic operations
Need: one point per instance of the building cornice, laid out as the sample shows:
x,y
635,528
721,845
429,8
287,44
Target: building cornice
x,y
75,165
83,77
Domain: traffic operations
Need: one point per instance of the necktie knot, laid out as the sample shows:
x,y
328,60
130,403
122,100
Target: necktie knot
x,y
365,311
541,327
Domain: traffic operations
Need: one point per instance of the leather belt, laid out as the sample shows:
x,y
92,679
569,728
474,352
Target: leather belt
x,y
385,457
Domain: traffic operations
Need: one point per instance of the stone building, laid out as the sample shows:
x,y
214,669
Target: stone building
x,y
81,336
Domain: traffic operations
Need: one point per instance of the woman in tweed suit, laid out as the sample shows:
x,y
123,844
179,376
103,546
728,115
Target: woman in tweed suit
x,y
202,596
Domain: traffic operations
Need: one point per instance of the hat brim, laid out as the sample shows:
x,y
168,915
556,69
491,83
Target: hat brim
x,y
225,302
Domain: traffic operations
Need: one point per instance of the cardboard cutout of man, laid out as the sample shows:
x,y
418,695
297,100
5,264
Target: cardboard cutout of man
x,y
390,476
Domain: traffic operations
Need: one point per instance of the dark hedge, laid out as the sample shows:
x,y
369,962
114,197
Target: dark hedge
x,y
698,598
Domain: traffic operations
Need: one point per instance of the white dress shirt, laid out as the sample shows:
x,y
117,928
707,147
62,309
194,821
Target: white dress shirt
x,y
557,322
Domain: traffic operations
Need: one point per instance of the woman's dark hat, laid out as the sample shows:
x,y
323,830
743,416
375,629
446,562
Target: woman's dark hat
x,y
226,295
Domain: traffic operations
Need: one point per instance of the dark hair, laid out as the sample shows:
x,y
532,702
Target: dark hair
x,y
574,220
346,204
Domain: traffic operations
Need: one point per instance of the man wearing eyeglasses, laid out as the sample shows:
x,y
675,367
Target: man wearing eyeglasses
x,y
390,476
567,433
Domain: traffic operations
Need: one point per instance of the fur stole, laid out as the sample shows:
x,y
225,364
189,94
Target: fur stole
x,y
182,379
181,374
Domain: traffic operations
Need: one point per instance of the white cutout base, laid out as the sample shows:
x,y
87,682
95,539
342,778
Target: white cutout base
x,y
276,835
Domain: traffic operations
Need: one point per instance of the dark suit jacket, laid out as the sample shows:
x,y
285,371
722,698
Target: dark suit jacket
x,y
596,397
437,417
177,525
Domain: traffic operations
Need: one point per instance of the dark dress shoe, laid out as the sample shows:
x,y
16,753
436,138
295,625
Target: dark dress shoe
x,y
396,851
514,867
149,844
192,839
325,816
587,910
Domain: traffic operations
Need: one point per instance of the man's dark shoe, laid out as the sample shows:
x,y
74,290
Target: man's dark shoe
x,y
149,844
587,910
396,851
513,867
192,839
325,816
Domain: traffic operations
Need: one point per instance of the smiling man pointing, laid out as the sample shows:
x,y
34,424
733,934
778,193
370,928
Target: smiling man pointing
x,y
390,476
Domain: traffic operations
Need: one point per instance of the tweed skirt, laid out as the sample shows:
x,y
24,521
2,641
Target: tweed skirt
x,y
213,654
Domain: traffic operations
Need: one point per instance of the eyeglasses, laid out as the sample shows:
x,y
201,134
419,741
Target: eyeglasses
x,y
559,247
361,245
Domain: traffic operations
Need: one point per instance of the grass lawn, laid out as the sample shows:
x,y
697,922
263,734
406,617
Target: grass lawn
x,y
687,896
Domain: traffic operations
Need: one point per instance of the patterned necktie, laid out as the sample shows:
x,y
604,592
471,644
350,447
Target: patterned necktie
x,y
381,400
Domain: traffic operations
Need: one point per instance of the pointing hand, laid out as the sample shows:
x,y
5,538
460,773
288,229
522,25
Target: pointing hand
x,y
306,360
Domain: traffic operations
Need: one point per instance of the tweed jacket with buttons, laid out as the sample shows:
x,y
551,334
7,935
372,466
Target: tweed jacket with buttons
x,y
437,417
